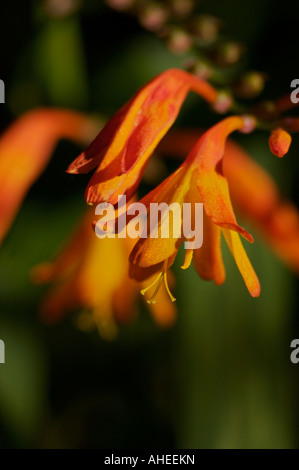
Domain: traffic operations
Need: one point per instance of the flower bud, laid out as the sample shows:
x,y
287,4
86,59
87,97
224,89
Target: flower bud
x,y
179,41
198,67
223,103
206,28
249,124
279,142
153,16
250,85
229,53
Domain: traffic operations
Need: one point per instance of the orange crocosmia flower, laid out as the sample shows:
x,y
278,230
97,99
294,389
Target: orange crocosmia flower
x,y
122,149
91,274
200,179
254,194
25,149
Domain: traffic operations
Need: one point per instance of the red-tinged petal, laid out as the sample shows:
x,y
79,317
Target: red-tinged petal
x,y
105,186
93,155
208,259
153,120
206,159
253,192
196,84
134,132
214,191
279,142
136,128
250,278
25,149
208,151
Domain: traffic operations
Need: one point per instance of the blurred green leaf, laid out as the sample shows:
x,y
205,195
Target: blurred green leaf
x,y
22,381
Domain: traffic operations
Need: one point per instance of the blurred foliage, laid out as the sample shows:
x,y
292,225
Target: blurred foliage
x,y
221,377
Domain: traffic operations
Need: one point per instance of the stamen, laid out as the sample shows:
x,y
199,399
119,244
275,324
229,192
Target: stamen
x,y
172,298
162,276
143,291
152,299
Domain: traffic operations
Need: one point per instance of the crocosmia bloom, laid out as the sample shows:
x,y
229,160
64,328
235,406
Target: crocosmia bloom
x,y
253,192
200,179
121,150
25,149
91,277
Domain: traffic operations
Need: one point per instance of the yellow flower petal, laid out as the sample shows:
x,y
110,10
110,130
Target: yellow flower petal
x,y
250,278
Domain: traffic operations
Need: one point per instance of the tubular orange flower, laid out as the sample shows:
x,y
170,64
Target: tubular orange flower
x,y
200,179
92,274
122,149
25,148
254,193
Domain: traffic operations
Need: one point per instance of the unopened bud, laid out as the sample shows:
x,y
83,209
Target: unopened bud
x,y
153,16
249,124
223,103
250,85
279,142
229,53
179,41
200,68
206,28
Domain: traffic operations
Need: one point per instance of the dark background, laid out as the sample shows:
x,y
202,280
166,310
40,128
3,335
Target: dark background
x,y
222,376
